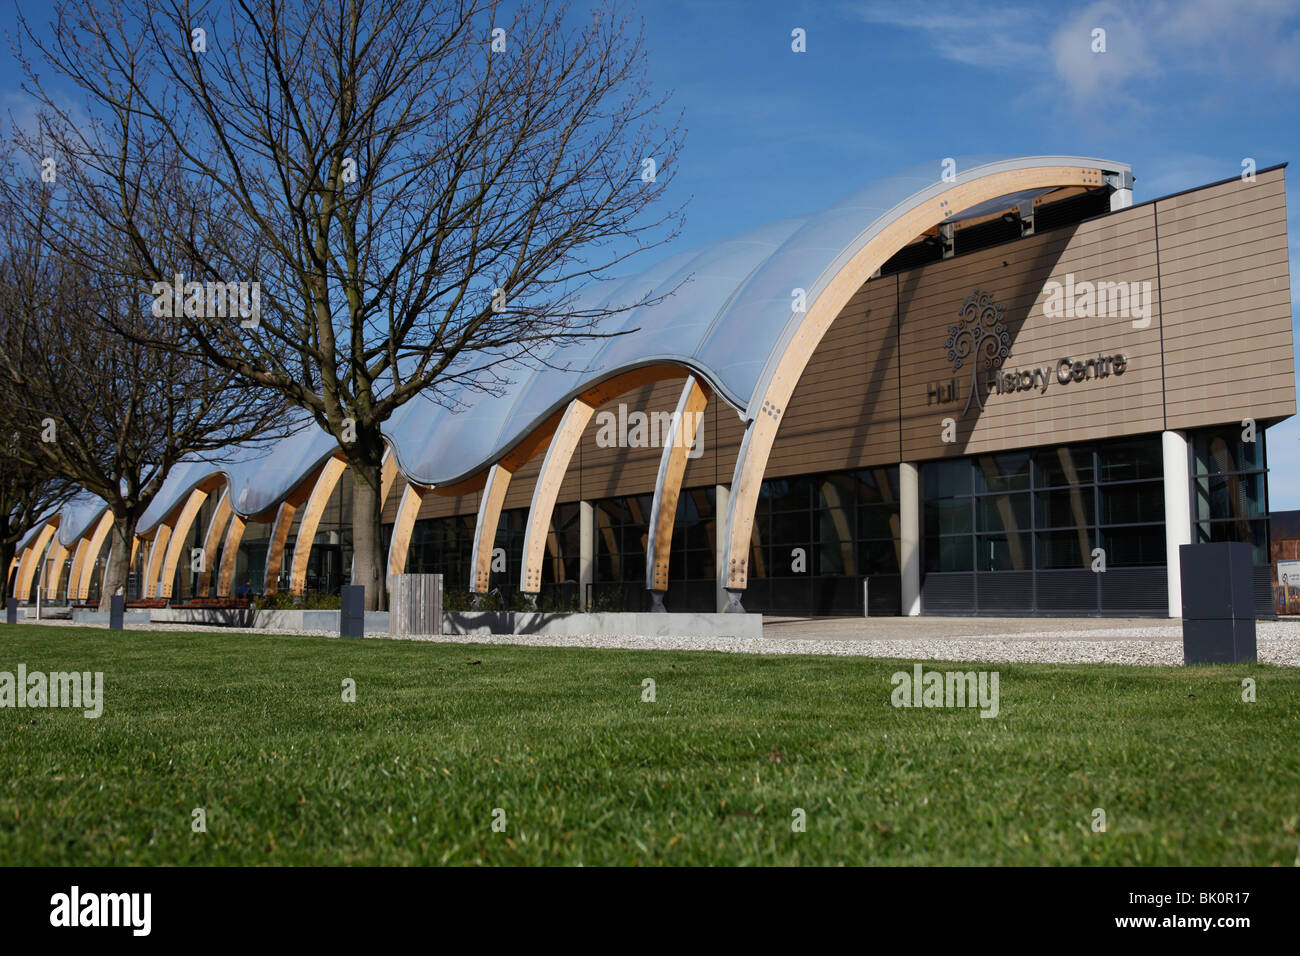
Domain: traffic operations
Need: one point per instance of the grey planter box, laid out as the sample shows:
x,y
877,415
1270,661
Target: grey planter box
x,y
1218,602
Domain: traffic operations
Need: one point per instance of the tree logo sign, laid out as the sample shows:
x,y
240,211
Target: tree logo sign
x,y
981,337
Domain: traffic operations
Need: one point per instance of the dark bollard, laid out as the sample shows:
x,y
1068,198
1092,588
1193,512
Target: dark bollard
x,y
352,618
11,611
1218,602
116,611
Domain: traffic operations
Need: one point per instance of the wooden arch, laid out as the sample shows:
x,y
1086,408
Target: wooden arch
x,y
668,484
760,432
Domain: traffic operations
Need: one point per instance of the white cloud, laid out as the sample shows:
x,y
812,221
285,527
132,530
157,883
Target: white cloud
x,y
1251,43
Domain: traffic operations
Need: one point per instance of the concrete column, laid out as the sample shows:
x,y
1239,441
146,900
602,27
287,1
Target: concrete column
x,y
1178,512
909,523
586,549
721,501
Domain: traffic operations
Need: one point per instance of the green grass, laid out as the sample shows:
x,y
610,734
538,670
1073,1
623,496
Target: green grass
x,y
254,729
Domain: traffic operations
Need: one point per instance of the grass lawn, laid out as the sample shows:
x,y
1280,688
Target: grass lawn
x,y
254,730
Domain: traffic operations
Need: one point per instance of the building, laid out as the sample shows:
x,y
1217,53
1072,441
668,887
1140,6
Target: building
x,y
995,387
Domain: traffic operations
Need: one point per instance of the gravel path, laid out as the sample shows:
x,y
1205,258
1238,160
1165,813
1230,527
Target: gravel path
x,y
1160,644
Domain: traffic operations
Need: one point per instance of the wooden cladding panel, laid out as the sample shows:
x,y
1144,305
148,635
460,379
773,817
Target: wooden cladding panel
x,y
1120,247
844,411
1227,300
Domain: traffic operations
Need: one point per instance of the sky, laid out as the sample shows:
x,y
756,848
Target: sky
x,y
1184,92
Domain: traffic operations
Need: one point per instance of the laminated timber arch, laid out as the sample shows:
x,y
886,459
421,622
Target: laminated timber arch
x,y
230,554
485,526
668,484
31,561
547,489
399,546
284,515
154,559
787,363
180,535
559,452
97,539
78,561
58,555
321,491
221,512
387,475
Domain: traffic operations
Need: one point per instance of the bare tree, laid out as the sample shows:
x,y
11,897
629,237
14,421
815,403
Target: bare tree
x,y
422,186
102,411
28,496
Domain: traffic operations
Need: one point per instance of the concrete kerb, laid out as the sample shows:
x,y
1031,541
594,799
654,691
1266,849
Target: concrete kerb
x,y
478,622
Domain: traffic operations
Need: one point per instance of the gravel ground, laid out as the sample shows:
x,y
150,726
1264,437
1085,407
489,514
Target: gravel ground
x,y
1278,642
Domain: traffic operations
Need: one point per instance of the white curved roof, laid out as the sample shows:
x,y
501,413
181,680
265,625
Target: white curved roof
x,y
728,318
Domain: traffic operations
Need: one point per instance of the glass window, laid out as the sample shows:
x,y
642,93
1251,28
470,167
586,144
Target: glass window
x,y
951,516
836,491
1230,496
1134,546
878,521
1130,460
1221,451
1065,549
949,554
1062,466
1008,471
1250,532
1065,507
787,494
1133,504
878,557
1003,512
944,479
834,556
794,527
877,485
1004,552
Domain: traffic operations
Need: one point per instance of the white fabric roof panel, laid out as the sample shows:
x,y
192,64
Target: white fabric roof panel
x,y
728,319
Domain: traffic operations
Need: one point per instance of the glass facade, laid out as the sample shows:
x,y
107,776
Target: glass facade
x,y
1230,489
445,546
1023,530
815,538
1014,532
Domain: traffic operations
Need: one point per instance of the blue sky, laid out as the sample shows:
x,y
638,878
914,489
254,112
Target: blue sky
x,y
1184,92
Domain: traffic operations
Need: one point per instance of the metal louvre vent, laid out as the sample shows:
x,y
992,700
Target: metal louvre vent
x,y
1065,212
947,593
1069,591
1135,591
992,233
1264,593
1010,592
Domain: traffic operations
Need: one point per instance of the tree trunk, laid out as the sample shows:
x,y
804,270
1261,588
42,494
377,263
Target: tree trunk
x,y
119,559
7,550
368,558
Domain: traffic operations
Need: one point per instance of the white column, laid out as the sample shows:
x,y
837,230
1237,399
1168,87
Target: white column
x,y
1178,513
721,501
586,550
909,522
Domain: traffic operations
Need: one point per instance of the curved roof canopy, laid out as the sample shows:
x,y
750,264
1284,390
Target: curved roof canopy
x,y
724,311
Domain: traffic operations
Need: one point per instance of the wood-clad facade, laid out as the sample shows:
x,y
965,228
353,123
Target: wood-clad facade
x,y
1188,328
